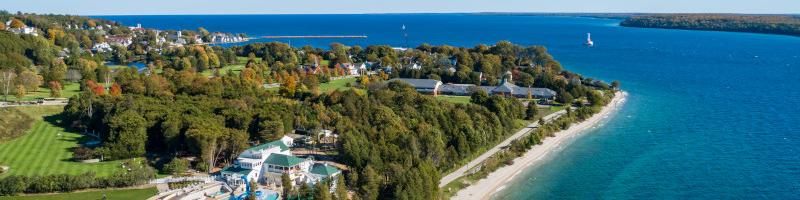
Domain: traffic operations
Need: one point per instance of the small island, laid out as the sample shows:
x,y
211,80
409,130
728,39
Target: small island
x,y
769,24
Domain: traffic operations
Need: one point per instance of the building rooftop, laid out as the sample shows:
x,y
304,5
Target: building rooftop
x,y
323,169
457,89
277,143
506,88
419,83
236,170
283,160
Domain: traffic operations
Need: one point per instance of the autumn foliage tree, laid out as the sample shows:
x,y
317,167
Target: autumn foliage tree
x,y
115,90
16,23
55,89
95,87
289,87
20,92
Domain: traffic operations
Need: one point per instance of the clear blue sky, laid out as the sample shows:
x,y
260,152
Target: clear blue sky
x,y
151,7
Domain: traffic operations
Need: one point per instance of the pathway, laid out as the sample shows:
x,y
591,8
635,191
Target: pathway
x,y
523,132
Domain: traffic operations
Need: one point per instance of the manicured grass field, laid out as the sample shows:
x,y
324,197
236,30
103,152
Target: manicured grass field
x,y
111,194
336,84
235,69
45,148
454,99
68,90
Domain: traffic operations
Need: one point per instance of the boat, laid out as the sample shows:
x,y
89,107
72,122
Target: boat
x,y
589,41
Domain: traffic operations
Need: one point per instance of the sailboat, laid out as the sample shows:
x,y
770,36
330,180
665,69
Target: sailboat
x,y
589,40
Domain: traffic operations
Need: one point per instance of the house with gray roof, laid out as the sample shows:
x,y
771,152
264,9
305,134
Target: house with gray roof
x,y
506,88
429,86
458,89
509,89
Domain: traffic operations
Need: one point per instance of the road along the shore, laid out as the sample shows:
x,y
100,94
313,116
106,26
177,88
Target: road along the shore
x,y
484,188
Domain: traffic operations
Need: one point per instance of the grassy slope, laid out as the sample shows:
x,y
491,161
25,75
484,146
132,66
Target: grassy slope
x,y
45,148
336,84
111,194
69,90
454,99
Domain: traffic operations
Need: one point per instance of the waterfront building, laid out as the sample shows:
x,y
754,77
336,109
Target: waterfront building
x,y
266,163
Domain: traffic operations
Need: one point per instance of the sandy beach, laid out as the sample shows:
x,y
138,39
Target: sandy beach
x,y
496,181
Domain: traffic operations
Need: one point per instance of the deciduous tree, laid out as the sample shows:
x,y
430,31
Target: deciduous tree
x,y
55,89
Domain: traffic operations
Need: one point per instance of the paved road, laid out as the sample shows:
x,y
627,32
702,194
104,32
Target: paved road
x,y
46,103
460,171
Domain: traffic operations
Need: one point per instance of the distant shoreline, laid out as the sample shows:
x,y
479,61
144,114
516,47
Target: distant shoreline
x,y
577,14
486,187
741,23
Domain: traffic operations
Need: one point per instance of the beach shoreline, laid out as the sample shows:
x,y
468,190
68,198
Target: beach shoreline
x,y
497,180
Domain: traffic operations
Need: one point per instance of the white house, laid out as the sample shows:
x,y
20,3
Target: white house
x,y
116,40
268,162
288,141
137,28
24,30
361,67
101,47
414,66
225,38
354,69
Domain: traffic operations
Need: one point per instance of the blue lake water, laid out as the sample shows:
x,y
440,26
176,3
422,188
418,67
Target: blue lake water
x,y
710,115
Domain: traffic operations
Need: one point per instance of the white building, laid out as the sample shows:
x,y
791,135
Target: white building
x,y
225,38
137,28
119,40
24,30
354,70
414,66
266,164
102,47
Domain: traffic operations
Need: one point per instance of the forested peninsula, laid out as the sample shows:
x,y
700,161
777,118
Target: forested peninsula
x,y
162,102
770,24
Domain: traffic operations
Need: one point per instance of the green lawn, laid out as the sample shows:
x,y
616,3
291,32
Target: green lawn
x,y
116,66
548,110
454,99
111,194
336,84
45,148
224,70
68,90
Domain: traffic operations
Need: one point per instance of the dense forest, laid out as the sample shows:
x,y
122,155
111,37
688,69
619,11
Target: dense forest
x,y
396,141
772,24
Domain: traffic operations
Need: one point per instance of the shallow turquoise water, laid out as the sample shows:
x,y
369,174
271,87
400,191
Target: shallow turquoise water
x,y
710,115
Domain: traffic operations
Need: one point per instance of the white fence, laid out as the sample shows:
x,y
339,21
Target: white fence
x,y
204,179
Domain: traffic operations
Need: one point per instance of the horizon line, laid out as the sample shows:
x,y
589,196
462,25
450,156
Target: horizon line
x,y
421,13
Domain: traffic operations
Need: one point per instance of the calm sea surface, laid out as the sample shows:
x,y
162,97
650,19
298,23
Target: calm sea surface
x,y
710,115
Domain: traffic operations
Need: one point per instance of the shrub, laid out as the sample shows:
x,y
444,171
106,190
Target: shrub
x,y
182,184
176,166
137,174
83,153
201,166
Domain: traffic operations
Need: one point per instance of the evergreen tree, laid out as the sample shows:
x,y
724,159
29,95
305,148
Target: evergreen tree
x,y
322,191
532,111
286,183
341,188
